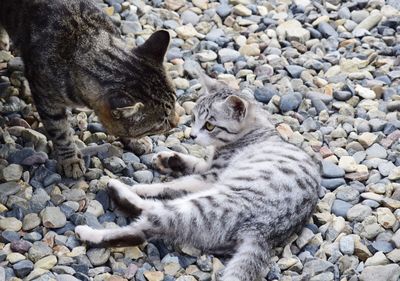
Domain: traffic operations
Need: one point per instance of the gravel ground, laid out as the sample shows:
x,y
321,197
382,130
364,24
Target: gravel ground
x,y
329,71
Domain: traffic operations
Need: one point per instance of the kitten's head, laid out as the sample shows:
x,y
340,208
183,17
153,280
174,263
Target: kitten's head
x,y
144,103
221,114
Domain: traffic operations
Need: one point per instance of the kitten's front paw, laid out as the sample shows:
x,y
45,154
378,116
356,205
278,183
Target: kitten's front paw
x,y
88,234
73,167
167,162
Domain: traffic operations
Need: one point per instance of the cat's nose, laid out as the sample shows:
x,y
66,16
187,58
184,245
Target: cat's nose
x,y
193,136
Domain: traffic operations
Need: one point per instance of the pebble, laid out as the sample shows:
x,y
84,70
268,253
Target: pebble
x,y
340,207
241,10
98,256
348,164
385,217
13,172
328,75
290,102
11,224
365,92
346,245
53,217
390,272
358,212
23,268
292,30
331,170
228,55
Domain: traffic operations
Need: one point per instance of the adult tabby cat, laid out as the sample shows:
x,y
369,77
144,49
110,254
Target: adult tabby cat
x,y
249,196
74,55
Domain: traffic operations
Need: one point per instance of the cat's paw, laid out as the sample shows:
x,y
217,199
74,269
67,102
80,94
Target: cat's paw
x,y
88,234
167,162
73,167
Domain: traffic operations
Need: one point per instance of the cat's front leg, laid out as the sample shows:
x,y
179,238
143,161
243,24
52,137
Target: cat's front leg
x,y
170,161
55,121
167,190
130,235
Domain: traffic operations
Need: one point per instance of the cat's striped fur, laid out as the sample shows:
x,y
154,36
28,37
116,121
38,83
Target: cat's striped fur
x,y
75,55
252,193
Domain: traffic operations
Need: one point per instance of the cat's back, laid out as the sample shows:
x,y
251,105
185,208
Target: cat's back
x,y
43,22
267,162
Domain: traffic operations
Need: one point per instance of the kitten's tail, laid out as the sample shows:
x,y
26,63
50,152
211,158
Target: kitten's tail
x,y
249,262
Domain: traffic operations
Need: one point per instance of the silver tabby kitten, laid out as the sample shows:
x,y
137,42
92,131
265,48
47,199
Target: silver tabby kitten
x,y
251,193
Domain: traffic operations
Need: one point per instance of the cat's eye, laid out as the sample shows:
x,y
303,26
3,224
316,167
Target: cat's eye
x,y
209,126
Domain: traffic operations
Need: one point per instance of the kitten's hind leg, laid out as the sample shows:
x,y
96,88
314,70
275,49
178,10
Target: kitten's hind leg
x,y
249,261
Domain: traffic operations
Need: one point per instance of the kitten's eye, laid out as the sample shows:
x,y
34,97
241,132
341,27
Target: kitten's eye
x,y
209,126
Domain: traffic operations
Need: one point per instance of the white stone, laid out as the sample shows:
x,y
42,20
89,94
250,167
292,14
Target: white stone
x,y
206,55
348,164
242,10
250,50
293,30
385,217
365,92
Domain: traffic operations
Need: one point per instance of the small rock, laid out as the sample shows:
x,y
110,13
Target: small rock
x,y
358,212
242,10
143,176
11,224
98,256
348,164
290,102
250,50
13,172
292,30
390,272
228,55
346,245
365,92
47,262
340,207
23,268
154,275
305,237
331,170
385,217
53,217
378,259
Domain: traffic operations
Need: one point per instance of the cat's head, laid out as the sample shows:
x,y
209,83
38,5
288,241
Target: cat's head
x,y
221,114
144,103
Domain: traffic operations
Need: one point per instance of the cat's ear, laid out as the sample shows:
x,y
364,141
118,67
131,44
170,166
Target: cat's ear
x,y
155,47
128,111
237,107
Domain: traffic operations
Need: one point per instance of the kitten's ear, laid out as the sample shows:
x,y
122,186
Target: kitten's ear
x,y
208,84
237,107
155,47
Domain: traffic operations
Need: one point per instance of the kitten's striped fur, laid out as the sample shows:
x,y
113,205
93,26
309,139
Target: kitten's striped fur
x,y
250,195
74,55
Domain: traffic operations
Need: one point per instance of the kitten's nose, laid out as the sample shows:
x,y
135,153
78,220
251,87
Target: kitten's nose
x,y
193,136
